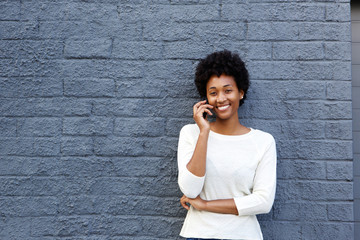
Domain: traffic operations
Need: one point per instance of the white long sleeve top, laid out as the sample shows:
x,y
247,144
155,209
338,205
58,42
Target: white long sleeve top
x,y
239,167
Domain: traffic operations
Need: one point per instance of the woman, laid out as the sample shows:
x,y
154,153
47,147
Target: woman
x,y
227,172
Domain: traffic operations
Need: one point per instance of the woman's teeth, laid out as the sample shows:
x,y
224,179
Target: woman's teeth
x,y
223,107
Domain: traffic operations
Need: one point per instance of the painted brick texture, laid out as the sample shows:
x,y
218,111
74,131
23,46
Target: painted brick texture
x,y
93,95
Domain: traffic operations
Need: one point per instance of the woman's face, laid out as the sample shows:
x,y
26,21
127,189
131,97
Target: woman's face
x,y
223,94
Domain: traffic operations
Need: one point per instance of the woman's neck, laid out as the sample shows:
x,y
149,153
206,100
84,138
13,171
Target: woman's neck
x,y
229,127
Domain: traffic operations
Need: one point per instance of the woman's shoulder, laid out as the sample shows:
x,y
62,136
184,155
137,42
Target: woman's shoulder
x,y
190,128
263,136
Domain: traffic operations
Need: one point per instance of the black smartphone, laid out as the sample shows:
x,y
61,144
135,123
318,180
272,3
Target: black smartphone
x,y
205,113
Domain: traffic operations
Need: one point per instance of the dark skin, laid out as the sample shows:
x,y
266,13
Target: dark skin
x,y
223,98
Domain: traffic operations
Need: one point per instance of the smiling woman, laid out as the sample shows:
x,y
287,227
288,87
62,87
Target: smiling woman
x,y
227,171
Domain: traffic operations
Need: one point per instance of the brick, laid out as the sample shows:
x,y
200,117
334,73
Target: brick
x,y
328,230
10,29
324,31
234,12
130,107
32,10
45,107
15,227
135,50
272,31
7,127
174,125
186,49
128,146
60,226
30,186
148,87
29,206
305,129
275,230
259,50
87,126
150,127
135,186
341,71
302,169
263,109
340,212
338,12
338,50
104,166
313,211
304,90
298,211
285,12
118,225
278,70
96,48
318,110
169,70
339,90
29,68
93,87
194,13
93,10
326,191
100,68
315,149
16,146
287,211
298,51
86,29
339,171
160,227
28,166
77,146
10,10
181,88
40,127
130,205
46,146
27,49
30,87
339,130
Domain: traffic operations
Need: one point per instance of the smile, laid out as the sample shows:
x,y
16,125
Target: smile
x,y
222,108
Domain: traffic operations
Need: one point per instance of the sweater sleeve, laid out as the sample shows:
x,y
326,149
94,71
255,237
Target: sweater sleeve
x,y
262,197
190,184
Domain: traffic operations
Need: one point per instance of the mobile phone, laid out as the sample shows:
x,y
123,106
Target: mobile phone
x,y
205,113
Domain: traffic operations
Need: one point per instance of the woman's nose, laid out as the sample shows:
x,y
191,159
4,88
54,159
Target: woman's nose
x,y
221,98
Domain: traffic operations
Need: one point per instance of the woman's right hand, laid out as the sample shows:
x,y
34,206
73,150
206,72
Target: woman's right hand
x,y
198,114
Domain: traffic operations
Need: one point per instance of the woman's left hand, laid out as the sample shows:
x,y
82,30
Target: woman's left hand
x,y
197,202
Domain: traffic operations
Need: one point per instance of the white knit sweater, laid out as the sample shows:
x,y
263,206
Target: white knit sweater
x,y
242,167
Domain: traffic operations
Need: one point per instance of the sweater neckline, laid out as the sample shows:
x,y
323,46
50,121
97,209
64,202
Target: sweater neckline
x,y
245,135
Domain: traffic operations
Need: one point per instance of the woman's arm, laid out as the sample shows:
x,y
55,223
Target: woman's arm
x,y
226,206
192,159
258,202
197,163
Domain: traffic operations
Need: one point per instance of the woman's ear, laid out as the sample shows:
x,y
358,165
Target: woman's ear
x,y
241,94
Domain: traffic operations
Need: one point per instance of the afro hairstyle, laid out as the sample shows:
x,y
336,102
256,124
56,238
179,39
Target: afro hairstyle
x,y
222,62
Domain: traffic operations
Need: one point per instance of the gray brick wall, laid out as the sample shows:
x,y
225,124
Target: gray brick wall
x,y
94,93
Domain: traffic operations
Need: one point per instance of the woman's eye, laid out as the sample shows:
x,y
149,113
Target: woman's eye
x,y
228,91
212,93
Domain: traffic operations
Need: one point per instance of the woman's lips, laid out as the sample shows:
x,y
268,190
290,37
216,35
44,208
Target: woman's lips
x,y
223,108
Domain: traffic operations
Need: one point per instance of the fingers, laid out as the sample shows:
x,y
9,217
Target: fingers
x,y
201,107
183,201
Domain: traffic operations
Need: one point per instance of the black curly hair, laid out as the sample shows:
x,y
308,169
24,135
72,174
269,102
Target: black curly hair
x,y
222,62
